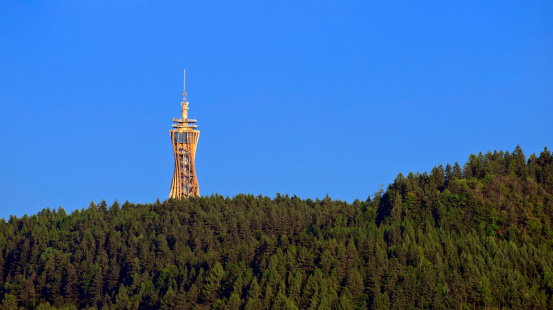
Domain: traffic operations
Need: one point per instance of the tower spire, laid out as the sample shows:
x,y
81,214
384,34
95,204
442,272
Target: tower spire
x,y
184,103
184,86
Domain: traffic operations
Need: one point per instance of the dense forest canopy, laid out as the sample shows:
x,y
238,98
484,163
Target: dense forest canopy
x,y
473,236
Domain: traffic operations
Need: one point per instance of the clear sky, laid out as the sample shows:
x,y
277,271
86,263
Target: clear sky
x,y
298,97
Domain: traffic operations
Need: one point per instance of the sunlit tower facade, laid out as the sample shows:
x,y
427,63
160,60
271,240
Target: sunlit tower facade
x,y
184,137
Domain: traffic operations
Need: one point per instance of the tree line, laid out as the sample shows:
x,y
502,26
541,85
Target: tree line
x,y
477,236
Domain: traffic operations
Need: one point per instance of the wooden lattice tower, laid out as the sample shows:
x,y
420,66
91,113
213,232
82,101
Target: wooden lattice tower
x,y
184,137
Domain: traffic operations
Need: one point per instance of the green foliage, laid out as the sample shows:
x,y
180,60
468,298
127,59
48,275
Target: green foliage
x,y
479,236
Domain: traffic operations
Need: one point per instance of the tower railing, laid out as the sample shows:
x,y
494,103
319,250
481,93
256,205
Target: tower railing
x,y
180,120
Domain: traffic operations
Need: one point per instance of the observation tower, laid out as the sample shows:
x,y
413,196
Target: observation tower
x,y
184,137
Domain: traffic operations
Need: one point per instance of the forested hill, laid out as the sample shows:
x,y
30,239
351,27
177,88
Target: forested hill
x,y
478,236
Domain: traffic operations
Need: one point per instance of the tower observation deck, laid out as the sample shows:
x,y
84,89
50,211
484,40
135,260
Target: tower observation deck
x,y
184,137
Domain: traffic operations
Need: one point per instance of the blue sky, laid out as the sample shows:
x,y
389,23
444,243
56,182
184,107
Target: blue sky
x,y
298,97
